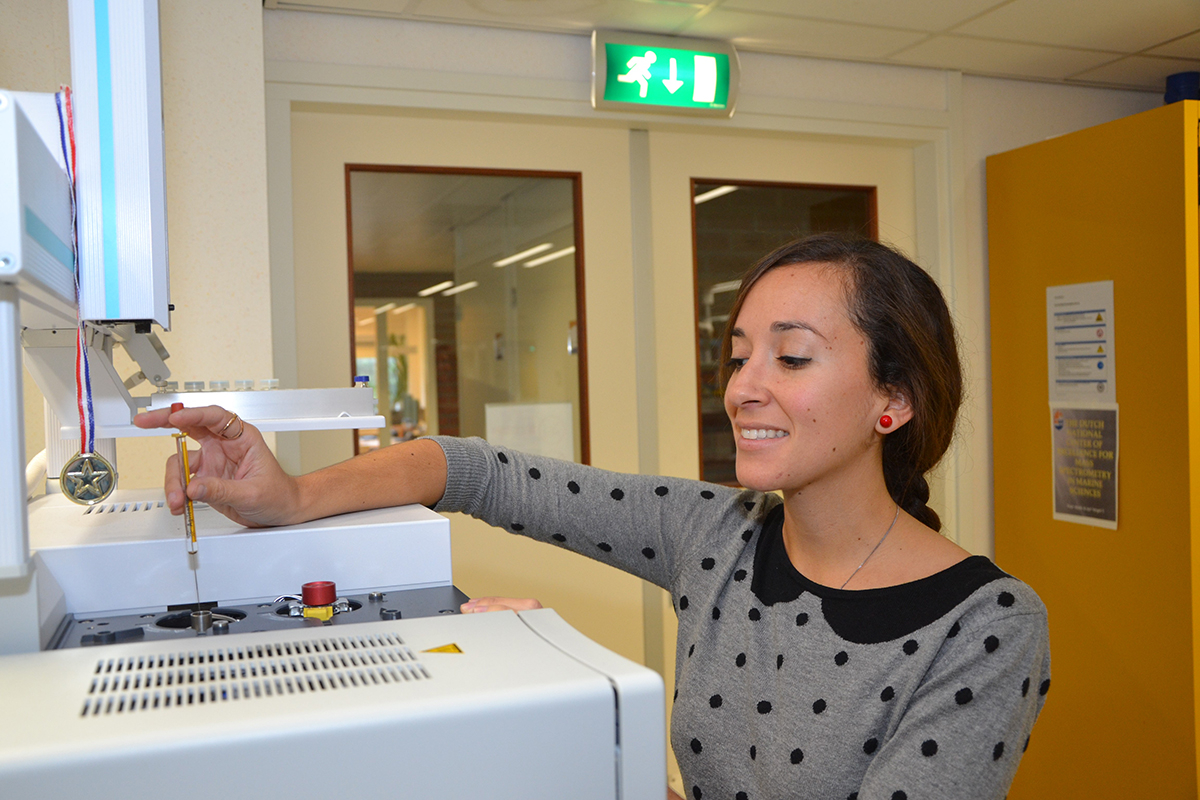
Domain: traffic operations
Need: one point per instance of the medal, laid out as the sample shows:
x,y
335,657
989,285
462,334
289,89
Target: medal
x,y
87,479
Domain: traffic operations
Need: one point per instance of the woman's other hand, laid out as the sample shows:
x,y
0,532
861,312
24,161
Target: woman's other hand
x,y
234,471
478,605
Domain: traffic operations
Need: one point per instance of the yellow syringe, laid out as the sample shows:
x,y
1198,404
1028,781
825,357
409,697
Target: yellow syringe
x,y
189,516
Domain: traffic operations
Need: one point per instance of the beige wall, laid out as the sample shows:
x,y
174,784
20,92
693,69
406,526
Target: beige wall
x,y
216,190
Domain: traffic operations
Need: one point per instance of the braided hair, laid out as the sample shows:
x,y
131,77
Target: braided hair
x,y
912,350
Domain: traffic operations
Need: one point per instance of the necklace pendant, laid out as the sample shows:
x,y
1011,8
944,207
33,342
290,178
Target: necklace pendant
x,y
87,479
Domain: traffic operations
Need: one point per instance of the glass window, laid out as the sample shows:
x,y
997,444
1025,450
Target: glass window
x,y
735,224
465,306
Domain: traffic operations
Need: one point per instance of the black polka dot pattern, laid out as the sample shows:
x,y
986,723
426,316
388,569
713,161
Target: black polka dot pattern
x,y
617,494
801,619
740,575
753,752
870,745
604,547
516,526
648,552
779,661
707,495
1006,599
741,796
749,506
991,644
661,491
683,603
691,650
572,487
715,701
740,660
819,707
887,694
954,629
535,473
747,535
797,756
1044,688
503,458
696,746
1025,687
708,563
755,615
929,748
764,707
910,647
841,658
896,795
696,793
558,537
716,614
998,751
964,696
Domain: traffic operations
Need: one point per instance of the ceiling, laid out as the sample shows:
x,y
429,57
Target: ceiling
x,y
1130,44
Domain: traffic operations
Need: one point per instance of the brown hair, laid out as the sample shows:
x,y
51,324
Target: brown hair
x,y
912,350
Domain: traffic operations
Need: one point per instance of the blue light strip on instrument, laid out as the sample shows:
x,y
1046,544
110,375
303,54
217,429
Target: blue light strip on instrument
x,y
40,232
108,175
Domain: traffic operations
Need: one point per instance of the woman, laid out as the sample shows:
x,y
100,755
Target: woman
x,y
831,643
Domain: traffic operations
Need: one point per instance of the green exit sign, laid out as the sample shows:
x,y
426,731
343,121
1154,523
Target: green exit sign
x,y
663,73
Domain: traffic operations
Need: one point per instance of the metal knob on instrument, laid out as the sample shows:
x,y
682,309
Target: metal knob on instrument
x,y
203,620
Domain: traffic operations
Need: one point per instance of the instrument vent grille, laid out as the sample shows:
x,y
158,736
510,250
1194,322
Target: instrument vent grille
x,y
121,508
161,681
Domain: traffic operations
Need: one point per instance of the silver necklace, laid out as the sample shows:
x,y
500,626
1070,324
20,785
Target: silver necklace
x,y
876,547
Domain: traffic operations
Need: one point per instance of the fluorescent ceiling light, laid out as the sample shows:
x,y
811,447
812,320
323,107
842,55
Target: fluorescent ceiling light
x,y
403,308
566,251
533,251
367,321
385,308
435,288
462,287
711,194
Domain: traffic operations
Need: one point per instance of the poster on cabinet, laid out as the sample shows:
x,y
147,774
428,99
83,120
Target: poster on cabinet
x,y
1084,440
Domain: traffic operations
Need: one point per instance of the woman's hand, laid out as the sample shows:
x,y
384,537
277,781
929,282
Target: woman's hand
x,y
478,605
234,471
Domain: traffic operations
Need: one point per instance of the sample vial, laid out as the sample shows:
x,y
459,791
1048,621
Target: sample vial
x,y
218,386
361,381
270,383
193,386
243,386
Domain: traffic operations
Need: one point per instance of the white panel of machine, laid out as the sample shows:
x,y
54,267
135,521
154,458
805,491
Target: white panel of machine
x,y
368,712
115,70
128,553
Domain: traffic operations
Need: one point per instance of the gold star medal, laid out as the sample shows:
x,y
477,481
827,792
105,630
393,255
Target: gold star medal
x,y
87,479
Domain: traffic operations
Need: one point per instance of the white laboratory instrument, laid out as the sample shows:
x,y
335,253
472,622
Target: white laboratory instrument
x,y
130,668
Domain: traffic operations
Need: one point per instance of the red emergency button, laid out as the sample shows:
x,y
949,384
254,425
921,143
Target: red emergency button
x,y
318,593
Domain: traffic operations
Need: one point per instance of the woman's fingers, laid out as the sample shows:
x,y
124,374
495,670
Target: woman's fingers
x,y
479,605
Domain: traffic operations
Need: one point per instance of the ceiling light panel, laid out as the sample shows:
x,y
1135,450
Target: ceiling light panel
x,y
546,259
1001,58
918,15
802,37
462,287
1117,25
437,287
515,257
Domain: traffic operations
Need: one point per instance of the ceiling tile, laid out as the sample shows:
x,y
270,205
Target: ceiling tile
x,y
919,15
1187,47
560,15
1117,25
1000,58
773,34
1144,72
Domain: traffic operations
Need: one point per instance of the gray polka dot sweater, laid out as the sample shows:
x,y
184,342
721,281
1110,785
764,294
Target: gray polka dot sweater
x,y
786,688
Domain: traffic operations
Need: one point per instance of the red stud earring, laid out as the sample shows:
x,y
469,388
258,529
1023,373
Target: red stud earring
x,y
885,421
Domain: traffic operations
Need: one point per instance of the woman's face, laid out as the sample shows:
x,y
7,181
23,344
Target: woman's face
x,y
803,406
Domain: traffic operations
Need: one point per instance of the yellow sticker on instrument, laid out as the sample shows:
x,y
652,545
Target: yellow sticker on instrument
x,y
446,648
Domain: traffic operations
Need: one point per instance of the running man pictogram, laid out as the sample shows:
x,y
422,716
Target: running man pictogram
x,y
639,71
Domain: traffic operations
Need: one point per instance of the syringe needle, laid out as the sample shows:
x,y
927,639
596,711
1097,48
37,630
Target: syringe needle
x,y
189,517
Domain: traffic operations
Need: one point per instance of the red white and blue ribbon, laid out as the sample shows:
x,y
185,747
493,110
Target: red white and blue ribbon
x,y
83,379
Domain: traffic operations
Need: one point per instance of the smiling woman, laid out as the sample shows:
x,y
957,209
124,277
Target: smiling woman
x,y
920,675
